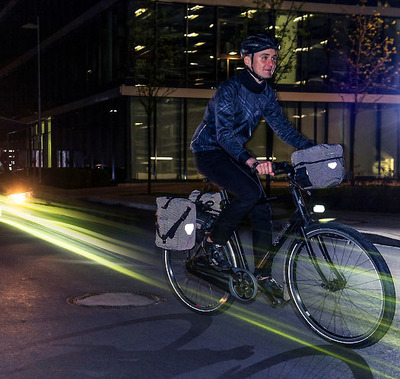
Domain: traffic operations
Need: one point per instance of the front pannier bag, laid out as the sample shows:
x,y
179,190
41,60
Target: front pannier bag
x,y
176,223
319,166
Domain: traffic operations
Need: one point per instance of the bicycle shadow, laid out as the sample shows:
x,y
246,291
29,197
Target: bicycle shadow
x,y
108,360
87,358
321,361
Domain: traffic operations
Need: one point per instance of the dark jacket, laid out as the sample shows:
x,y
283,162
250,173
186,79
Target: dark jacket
x,y
234,112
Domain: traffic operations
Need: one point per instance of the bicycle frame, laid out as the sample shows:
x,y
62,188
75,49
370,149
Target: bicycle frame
x,y
337,280
294,227
235,239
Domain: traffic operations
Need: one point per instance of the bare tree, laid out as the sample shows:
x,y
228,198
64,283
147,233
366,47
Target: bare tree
x,y
154,53
278,17
366,52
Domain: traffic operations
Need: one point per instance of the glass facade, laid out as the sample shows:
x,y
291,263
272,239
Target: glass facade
x,y
211,48
89,49
166,137
389,143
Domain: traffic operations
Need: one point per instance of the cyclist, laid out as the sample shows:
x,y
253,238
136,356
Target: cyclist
x,y
218,147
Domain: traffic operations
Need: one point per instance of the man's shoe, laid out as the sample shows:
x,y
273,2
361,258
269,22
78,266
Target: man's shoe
x,y
217,256
271,289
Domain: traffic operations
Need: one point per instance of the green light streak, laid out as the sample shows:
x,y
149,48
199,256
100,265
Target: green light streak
x,y
52,211
77,240
77,250
77,232
263,322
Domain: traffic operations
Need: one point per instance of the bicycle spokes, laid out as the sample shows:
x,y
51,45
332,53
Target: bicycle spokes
x,y
341,286
320,250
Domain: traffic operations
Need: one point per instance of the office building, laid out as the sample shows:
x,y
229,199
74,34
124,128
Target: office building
x,y
84,68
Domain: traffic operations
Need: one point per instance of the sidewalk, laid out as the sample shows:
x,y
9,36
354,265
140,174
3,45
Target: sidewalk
x,y
382,228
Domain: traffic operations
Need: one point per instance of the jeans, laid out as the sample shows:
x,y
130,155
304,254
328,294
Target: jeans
x,y
248,199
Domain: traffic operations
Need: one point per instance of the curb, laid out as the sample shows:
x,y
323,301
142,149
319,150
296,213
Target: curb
x,y
128,204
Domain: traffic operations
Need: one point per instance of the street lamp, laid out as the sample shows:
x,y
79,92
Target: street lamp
x,y
37,27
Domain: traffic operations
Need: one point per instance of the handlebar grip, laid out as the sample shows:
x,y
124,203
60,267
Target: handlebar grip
x,y
282,168
277,168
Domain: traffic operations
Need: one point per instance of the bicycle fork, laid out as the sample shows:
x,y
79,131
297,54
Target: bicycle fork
x,y
303,214
334,284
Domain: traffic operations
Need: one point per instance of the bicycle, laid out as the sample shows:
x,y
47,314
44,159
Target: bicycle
x,y
335,278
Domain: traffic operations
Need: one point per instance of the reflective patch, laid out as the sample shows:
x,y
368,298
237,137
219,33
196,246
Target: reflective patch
x,y
189,228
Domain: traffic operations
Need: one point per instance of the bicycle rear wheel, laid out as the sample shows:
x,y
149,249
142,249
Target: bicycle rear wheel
x,y
343,290
195,292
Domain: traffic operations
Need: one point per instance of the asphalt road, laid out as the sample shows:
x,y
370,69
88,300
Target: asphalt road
x,y
51,253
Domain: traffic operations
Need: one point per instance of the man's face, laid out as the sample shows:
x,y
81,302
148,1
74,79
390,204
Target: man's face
x,y
264,62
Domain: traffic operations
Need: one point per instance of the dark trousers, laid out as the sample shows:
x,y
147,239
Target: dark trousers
x,y
248,199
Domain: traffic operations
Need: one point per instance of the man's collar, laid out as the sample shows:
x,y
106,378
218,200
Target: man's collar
x,y
250,82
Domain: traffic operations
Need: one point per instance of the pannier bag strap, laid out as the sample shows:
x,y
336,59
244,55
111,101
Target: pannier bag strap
x,y
174,228
208,203
165,206
201,193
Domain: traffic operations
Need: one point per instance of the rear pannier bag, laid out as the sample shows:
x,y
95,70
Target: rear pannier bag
x,y
319,166
176,223
210,201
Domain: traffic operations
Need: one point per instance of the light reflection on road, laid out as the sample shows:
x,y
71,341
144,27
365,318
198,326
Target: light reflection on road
x,y
93,236
70,229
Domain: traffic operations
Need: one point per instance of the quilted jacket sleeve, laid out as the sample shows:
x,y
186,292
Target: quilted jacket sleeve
x,y
276,119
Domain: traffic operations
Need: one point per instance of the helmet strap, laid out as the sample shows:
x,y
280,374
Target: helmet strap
x,y
252,72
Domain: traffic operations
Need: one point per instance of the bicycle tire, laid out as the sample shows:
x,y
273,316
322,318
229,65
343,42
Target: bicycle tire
x,y
194,292
354,312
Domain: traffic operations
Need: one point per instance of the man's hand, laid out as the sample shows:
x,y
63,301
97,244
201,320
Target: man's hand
x,y
263,167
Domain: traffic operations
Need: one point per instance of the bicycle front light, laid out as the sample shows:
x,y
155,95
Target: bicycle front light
x,y
318,208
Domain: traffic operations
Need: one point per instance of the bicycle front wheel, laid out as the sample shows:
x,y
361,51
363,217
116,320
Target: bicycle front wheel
x,y
198,294
340,285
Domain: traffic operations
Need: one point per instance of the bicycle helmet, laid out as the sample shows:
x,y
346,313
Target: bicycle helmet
x,y
258,42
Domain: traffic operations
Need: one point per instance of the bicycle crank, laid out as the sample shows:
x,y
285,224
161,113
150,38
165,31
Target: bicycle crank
x,y
242,284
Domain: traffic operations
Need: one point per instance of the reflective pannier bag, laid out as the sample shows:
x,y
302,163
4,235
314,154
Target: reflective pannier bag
x,y
319,166
176,223
209,201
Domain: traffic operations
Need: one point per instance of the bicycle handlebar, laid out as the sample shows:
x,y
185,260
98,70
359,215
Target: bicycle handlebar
x,y
282,168
278,168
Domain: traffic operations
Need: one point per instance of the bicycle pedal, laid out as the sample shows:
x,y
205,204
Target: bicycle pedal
x,y
271,300
283,303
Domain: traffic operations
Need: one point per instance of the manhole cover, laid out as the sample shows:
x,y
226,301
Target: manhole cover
x,y
116,300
